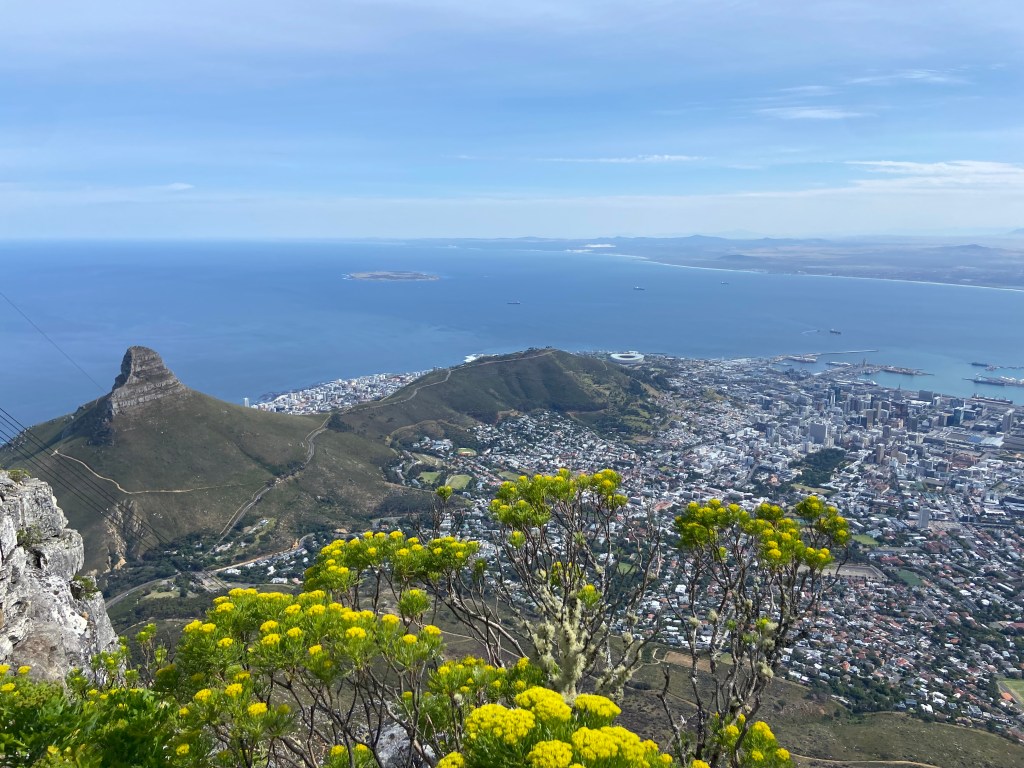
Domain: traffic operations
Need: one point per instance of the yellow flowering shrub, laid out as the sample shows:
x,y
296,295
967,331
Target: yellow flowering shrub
x,y
341,564
543,731
261,668
111,723
750,745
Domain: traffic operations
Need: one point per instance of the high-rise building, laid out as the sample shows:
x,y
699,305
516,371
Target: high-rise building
x,y
924,517
819,432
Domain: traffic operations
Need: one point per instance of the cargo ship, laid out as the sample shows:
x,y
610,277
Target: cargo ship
x,y
998,381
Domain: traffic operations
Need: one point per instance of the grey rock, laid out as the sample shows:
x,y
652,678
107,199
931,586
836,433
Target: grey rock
x,y
394,750
143,379
42,622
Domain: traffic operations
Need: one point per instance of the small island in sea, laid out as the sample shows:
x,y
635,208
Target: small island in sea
x,y
384,275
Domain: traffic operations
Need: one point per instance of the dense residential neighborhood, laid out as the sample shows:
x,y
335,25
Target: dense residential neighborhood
x,y
926,616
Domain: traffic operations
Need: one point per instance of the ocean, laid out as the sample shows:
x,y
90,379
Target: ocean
x,y
240,320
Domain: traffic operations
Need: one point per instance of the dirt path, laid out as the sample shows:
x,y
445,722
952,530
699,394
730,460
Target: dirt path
x,y
310,441
137,493
863,762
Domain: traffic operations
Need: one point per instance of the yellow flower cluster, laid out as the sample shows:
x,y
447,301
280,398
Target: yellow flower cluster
x,y
599,707
527,503
493,721
547,705
545,732
341,563
550,754
452,760
594,745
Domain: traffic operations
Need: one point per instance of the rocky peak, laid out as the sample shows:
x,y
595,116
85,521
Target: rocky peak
x,y
143,378
50,618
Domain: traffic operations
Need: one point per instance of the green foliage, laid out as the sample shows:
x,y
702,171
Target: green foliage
x,y
112,724
18,475
819,466
83,587
559,536
29,537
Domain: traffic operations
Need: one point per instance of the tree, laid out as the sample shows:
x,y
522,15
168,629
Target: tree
x,y
752,583
571,575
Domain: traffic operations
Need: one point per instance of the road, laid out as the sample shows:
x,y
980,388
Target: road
x,y
209,578
241,512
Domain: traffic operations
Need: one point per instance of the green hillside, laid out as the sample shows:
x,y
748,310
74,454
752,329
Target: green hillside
x,y
601,394
188,462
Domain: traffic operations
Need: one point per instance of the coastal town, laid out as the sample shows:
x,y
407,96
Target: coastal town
x,y
927,615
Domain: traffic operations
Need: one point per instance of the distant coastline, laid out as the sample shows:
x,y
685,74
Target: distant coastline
x,y
833,275
987,263
391,276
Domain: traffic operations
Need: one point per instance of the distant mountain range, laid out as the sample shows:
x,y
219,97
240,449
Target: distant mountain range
x,y
154,459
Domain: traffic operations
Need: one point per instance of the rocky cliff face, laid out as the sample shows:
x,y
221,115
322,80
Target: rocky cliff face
x,y
48,619
144,378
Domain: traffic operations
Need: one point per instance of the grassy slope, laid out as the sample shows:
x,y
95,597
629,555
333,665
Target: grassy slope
x,y
214,455
220,454
482,390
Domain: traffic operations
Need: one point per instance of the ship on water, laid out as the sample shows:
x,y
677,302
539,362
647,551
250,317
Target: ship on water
x,y
833,330
980,365
998,381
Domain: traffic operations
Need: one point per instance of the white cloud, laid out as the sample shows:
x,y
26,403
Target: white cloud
x,y
954,174
929,76
809,90
811,113
625,160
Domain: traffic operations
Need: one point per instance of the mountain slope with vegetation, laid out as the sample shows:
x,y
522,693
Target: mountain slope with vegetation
x,y
154,461
593,391
186,462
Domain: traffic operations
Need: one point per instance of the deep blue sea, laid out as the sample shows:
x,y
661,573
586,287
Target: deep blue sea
x,y
239,320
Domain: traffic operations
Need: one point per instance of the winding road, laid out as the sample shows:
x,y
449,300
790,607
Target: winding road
x,y
310,441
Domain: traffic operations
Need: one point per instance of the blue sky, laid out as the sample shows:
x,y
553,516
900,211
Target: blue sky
x,y
407,118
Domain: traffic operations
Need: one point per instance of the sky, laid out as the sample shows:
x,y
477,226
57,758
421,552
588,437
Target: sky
x,y
462,118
